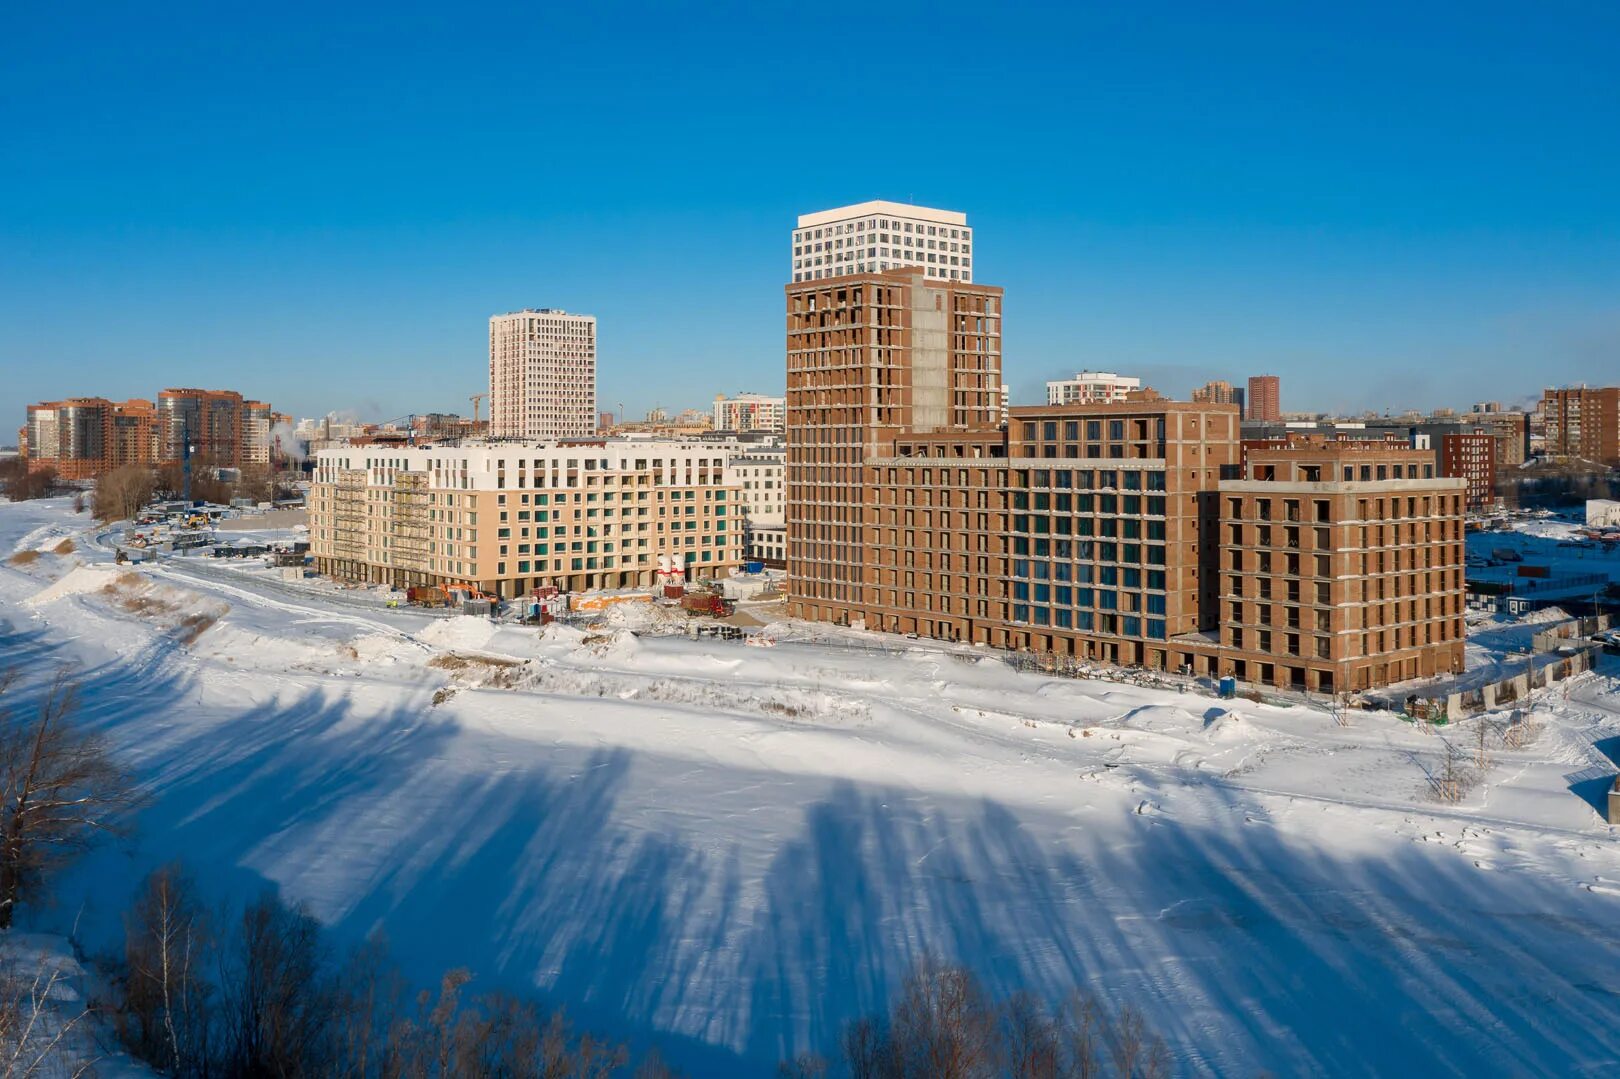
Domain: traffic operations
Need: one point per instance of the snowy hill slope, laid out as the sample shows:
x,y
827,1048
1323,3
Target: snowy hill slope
x,y
739,849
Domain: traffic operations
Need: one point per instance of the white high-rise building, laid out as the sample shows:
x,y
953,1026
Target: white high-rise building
x,y
542,374
873,236
1091,388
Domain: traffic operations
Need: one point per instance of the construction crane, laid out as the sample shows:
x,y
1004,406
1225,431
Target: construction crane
x,y
477,399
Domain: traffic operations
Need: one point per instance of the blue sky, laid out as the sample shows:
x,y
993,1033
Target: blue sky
x,y
321,205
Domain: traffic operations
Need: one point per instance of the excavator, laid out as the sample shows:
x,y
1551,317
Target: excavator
x,y
460,592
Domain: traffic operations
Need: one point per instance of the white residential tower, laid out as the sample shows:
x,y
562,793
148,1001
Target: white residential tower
x,y
542,374
873,236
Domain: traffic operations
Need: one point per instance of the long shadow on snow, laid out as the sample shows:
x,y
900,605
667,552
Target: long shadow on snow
x,y
1247,948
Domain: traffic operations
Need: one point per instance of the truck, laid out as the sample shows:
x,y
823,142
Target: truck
x,y
427,596
707,603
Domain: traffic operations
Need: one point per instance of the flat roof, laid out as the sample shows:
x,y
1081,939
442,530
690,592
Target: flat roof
x,y
878,206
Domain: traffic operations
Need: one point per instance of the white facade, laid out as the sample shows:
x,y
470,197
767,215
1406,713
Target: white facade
x,y
542,375
762,475
748,412
1602,513
1091,387
873,236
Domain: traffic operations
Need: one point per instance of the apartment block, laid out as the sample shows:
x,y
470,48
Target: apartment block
x,y
217,423
1091,388
870,356
1264,399
1107,531
1218,392
748,412
82,437
1512,431
873,237
1582,422
514,517
1471,457
759,474
542,375
1341,567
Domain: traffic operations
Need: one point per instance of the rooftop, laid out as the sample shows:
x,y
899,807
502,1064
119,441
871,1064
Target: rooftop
x,y
898,209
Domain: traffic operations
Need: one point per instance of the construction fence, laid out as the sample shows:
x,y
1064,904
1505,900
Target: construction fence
x,y
1544,671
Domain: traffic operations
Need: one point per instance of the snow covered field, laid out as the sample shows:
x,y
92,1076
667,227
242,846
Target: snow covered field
x,y
735,850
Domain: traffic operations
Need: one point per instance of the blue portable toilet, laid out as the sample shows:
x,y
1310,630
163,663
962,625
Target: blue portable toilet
x,y
753,567
1228,688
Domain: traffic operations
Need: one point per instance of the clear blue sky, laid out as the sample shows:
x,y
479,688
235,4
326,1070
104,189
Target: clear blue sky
x,y
1403,204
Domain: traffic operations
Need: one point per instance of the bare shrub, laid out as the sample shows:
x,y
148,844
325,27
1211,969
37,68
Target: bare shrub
x,y
39,1037
193,626
25,558
943,1025
60,791
1454,779
67,546
803,1066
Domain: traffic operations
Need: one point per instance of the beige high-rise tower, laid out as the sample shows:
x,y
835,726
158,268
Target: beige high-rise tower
x,y
542,374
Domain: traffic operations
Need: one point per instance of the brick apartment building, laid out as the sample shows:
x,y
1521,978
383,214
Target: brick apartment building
x,y
1264,398
1090,530
1471,456
1341,566
82,437
1582,422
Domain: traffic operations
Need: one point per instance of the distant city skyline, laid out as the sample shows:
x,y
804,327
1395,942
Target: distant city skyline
x,y
1386,207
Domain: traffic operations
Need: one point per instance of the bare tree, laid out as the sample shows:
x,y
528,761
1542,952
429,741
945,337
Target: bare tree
x,y
121,492
1028,1039
19,482
1453,780
166,1011
1482,754
39,1037
367,1002
653,1067
276,1000
60,791
864,1046
1081,1028
1137,1052
943,1025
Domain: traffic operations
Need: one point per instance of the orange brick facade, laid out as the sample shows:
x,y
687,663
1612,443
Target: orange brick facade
x,y
82,437
1096,531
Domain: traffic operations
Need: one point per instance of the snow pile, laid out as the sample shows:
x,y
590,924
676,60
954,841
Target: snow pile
x,y
386,648
794,704
641,618
619,644
462,631
1546,614
1225,726
80,580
